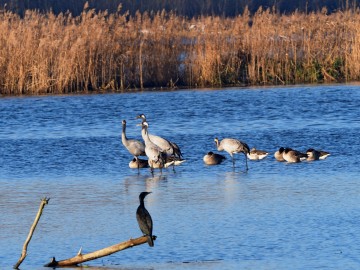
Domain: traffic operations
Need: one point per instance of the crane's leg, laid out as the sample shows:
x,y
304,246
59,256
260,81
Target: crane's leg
x,y
233,160
247,168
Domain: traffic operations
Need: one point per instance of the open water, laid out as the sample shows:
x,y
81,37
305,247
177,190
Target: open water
x,y
275,216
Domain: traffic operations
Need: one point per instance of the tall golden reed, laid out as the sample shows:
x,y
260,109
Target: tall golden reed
x,y
47,53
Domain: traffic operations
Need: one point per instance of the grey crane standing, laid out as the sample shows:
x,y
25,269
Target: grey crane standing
x,y
233,146
171,148
154,153
144,219
135,147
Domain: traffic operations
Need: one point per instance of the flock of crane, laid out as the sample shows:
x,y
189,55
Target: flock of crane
x,y
162,153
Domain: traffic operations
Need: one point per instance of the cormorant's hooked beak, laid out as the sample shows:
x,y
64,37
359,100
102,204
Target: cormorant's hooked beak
x,y
147,193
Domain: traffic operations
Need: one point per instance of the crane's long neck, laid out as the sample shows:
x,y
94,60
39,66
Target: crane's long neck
x,y
123,134
217,143
145,135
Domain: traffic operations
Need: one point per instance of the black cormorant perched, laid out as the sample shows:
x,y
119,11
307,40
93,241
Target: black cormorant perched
x,y
144,219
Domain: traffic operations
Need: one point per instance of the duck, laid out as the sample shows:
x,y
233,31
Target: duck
x,y
293,156
137,163
279,154
159,164
256,154
316,154
174,160
212,158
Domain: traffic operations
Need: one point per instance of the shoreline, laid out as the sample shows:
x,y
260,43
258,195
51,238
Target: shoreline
x,y
164,89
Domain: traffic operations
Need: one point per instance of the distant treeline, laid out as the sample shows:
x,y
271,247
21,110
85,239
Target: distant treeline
x,y
47,53
186,8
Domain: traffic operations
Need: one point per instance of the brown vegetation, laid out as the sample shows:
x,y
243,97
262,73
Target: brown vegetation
x,y
47,53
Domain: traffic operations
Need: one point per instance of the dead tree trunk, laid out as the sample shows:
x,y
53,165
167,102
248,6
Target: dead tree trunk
x,y
44,201
80,258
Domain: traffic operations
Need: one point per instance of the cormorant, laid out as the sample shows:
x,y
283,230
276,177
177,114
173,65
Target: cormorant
x,y
144,219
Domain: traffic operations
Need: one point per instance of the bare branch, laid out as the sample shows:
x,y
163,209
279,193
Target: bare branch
x,y
44,201
80,258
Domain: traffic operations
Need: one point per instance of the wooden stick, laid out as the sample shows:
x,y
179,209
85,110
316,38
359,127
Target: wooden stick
x,y
44,201
80,258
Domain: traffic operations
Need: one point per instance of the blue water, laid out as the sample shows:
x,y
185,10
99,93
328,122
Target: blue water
x,y
276,216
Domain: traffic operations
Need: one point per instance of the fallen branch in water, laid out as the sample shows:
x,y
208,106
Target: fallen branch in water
x,y
80,258
44,201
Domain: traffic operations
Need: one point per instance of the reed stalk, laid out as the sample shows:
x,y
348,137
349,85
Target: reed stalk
x,y
96,51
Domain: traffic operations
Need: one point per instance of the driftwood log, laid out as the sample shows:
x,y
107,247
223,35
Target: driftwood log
x,y
80,258
44,202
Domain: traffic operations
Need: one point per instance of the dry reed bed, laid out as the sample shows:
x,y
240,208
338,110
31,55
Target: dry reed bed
x,y
44,53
